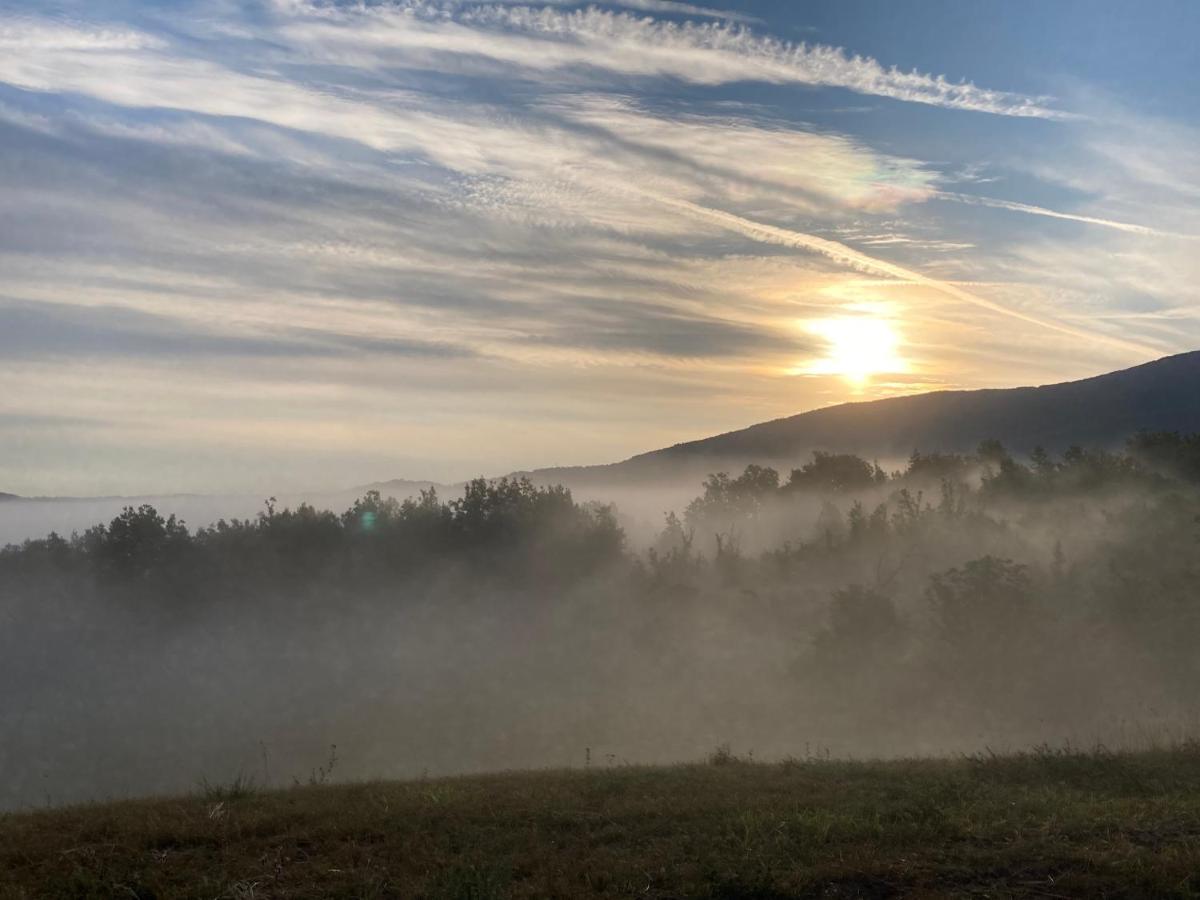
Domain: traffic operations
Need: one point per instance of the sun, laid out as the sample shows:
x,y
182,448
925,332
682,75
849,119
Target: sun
x,y
857,348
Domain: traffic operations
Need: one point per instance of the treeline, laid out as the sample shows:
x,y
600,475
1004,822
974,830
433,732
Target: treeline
x,y
1151,459
511,528
505,529
965,600
835,496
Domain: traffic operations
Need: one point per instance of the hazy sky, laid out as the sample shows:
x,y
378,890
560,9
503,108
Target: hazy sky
x,y
279,244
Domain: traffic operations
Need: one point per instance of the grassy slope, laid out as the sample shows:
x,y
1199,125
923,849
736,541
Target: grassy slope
x,y
1041,825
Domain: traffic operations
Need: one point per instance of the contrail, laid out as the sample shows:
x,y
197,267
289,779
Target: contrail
x,y
1054,214
855,259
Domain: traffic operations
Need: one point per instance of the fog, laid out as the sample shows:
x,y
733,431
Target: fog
x,y
954,604
23,518
641,507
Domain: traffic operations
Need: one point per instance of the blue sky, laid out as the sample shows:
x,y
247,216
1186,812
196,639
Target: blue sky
x,y
281,244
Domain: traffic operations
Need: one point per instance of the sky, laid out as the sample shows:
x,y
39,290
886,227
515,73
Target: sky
x,y
254,245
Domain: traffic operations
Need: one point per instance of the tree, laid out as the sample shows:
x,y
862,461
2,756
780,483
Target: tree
x,y
835,473
936,467
1168,453
136,543
727,501
863,625
981,602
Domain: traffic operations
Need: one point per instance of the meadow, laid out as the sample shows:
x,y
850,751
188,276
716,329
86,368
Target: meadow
x,y
1045,823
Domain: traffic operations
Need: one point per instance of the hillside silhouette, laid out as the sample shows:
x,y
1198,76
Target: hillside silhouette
x,y
1102,412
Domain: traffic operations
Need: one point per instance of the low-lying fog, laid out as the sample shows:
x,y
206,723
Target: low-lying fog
x,y
963,603
641,508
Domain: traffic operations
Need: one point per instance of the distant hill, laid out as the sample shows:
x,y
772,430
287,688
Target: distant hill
x,y
4,496
404,487
1100,412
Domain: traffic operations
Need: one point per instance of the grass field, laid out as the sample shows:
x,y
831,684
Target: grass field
x,y
1041,824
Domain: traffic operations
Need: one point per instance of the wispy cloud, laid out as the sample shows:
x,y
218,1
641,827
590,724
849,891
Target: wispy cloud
x,y
35,35
1012,206
548,38
668,7
848,256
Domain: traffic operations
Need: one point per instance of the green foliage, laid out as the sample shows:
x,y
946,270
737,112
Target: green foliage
x,y
835,473
1052,822
938,467
1168,453
863,624
136,543
322,773
729,506
722,755
863,527
240,787
981,601
672,566
727,501
507,528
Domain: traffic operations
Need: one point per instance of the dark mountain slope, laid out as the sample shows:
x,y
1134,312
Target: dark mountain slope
x,y
1100,412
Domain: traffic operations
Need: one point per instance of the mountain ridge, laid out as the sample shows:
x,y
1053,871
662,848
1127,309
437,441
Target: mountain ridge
x,y
1101,410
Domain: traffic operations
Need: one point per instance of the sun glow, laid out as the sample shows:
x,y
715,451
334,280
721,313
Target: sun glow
x,y
857,348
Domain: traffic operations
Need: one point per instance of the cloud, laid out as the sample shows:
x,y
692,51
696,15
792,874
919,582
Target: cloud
x,y
134,74
22,422
547,39
848,256
1072,217
674,8
749,160
658,330
32,35
668,7
41,330
1133,178
690,155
